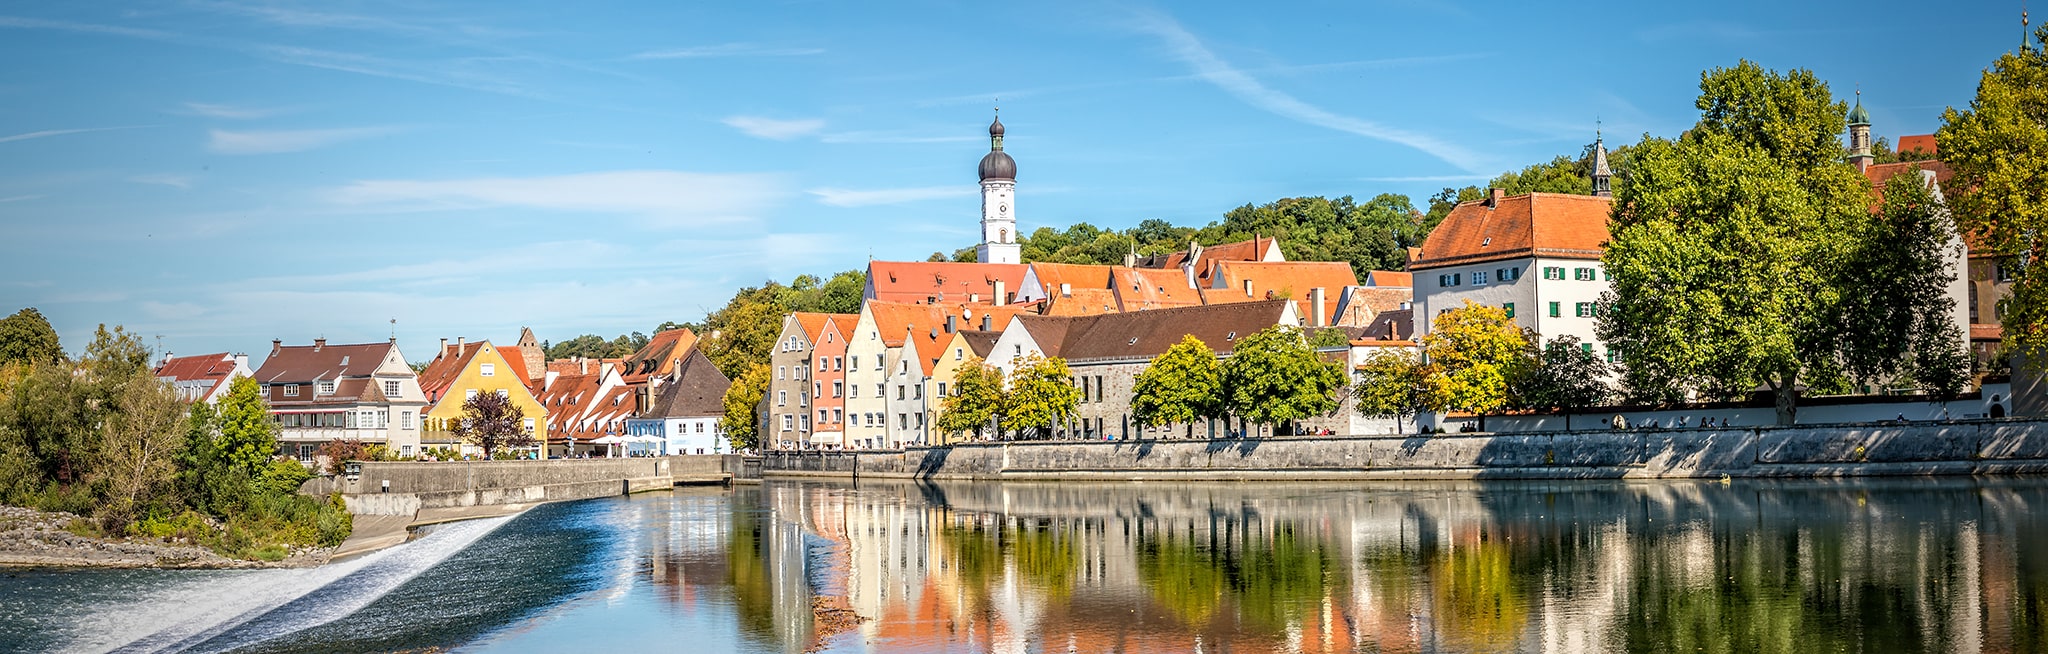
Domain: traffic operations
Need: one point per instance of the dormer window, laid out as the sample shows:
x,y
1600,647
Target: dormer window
x,y
326,387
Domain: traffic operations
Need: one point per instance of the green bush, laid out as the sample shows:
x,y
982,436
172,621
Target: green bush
x,y
283,477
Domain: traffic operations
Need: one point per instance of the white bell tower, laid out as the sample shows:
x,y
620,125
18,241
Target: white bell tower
x,y
998,203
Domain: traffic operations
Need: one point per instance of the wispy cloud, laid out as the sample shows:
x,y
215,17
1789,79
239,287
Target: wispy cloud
x,y
87,28
172,310
18,198
728,50
840,197
165,179
772,129
1190,50
231,112
278,141
671,197
61,132
439,73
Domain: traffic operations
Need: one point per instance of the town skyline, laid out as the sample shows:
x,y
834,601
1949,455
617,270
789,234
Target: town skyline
x,y
471,173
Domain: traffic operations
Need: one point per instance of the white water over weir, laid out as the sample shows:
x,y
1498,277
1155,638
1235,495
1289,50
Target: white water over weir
x,y
207,612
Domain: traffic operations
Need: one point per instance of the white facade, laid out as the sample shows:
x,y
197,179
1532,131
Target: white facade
x,y
866,362
691,435
999,223
909,409
1552,296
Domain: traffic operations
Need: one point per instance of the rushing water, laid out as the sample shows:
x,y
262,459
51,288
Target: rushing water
x,y
1901,565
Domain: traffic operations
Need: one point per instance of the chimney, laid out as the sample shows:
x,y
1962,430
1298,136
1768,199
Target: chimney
x,y
241,361
987,322
583,365
276,344
1494,195
1315,297
1247,288
1066,290
950,324
444,348
319,343
461,345
1000,298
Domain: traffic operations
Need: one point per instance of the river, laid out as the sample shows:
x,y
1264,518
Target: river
x,y
1892,565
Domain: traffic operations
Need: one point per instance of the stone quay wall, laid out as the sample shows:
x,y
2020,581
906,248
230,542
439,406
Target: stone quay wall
x,y
1977,447
406,487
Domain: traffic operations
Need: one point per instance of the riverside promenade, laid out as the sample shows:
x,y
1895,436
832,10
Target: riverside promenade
x,y
1972,447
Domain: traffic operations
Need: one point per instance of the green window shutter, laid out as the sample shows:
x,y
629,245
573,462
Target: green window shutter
x,y
1509,307
1555,310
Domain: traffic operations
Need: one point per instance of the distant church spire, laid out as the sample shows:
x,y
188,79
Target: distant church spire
x,y
1859,135
998,202
1602,175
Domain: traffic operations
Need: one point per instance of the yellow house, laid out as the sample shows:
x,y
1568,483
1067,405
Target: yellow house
x,y
963,347
461,371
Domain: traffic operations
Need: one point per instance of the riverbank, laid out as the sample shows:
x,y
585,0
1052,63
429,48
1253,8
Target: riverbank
x,y
31,538
1951,448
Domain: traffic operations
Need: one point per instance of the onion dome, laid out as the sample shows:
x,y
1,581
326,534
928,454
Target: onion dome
x,y
996,164
1858,116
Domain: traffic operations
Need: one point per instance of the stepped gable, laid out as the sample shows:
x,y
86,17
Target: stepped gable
x,y
1534,224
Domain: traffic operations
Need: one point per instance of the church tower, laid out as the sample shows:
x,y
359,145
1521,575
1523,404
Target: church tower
x,y
1603,176
998,203
1859,136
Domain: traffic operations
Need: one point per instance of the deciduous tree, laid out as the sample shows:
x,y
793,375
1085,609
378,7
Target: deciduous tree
x,y
1042,394
1563,375
247,434
741,423
1390,383
1905,332
977,397
142,440
27,336
1182,385
1273,377
1998,149
492,422
1472,352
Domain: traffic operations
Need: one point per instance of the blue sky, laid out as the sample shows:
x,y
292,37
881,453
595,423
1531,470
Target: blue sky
x,y
219,173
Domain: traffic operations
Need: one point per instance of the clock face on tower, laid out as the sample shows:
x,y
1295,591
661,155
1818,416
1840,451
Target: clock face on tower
x,y
1003,208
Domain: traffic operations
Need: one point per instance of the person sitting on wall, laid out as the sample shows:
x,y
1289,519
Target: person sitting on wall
x,y
1620,422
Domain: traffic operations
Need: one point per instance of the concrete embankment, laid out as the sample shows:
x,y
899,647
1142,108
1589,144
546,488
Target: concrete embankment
x,y
1980,447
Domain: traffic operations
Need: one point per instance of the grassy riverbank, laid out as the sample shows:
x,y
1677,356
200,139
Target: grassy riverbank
x,y
45,539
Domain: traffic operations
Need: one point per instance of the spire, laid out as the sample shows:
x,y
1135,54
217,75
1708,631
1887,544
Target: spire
x,y
1859,135
995,132
1857,116
1603,176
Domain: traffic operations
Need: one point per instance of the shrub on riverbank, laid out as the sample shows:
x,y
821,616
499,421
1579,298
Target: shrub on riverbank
x,y
101,436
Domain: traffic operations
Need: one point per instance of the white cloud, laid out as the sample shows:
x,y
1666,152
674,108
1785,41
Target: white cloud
x,y
61,132
673,196
728,50
230,112
164,179
18,198
1208,66
840,197
277,141
772,129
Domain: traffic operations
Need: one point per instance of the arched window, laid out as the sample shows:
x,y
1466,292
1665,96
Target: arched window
x,y
1005,237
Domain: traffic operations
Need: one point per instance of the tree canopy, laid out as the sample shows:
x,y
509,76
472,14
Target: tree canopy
x,y
742,420
1182,385
1274,377
1563,375
27,337
743,332
492,422
975,397
1041,396
1390,383
1472,352
1998,150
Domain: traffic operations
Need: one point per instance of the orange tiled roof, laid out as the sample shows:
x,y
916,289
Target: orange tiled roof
x,y
517,361
1082,302
1139,289
895,320
945,282
1917,142
205,366
659,356
1984,332
1534,224
814,323
1389,278
447,365
1288,279
1079,276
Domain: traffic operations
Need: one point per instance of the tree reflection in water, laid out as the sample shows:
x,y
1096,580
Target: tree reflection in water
x,y
1882,565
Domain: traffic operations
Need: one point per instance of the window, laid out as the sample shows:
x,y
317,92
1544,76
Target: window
x,y
1553,272
326,387
1583,309
1612,356
822,415
803,398
1606,276
878,363
1453,279
778,373
837,362
881,390
700,428
391,389
1509,274
487,370
469,394
528,424
405,420
836,385
959,354
852,391
942,389
818,389
781,398
1509,307
899,391
1019,348
291,390
1583,274
504,394
917,392
1478,278
1555,311
807,421
838,415
787,423
855,361
902,421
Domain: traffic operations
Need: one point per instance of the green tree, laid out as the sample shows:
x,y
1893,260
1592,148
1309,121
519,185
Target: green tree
x,y
1998,149
142,438
1472,353
27,336
1374,235
1042,394
1390,383
1563,375
492,422
247,433
1728,245
977,397
743,408
1182,385
1907,335
1273,377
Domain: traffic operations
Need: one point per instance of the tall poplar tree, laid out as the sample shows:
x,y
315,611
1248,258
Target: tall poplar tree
x,y
1998,149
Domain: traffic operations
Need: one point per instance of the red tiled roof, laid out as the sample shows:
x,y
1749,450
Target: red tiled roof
x,y
896,320
216,367
1283,279
945,282
1984,332
1389,278
1534,224
447,365
305,363
1139,289
1081,302
814,323
1880,176
1079,276
517,361
659,356
1146,334
1923,142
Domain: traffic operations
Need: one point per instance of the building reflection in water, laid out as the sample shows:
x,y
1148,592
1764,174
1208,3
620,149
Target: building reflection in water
x,y
1883,565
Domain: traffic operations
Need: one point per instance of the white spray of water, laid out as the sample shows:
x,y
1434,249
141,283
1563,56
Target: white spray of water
x,y
182,615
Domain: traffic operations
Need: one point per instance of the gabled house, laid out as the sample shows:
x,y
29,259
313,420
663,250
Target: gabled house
x,y
875,353
1317,287
964,346
202,378
463,370
803,374
584,407
684,414
320,392
659,357
1536,256
1050,280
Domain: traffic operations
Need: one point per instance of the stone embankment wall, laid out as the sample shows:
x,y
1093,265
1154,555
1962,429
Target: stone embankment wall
x,y
406,487
1953,448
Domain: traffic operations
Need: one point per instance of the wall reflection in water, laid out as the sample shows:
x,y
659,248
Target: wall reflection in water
x,y
1883,565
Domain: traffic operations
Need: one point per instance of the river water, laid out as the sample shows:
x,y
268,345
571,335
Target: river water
x,y
1903,565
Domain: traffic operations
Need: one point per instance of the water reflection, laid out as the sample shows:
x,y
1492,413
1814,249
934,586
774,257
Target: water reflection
x,y
1887,565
